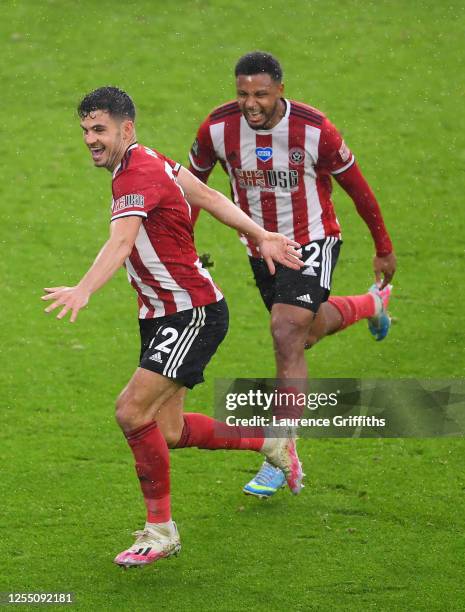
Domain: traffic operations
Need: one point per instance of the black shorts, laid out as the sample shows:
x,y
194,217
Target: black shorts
x,y
180,345
308,287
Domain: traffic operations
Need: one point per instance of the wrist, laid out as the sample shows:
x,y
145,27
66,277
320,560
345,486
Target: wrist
x,y
258,236
85,287
383,247
384,252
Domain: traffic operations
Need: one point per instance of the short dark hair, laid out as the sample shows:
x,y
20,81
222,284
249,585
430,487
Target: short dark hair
x,y
259,61
114,101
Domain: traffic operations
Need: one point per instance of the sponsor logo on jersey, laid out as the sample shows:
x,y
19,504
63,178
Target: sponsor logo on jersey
x,y
268,180
264,153
296,155
344,151
133,200
156,357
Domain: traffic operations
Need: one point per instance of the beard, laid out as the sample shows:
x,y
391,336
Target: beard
x,y
115,152
267,119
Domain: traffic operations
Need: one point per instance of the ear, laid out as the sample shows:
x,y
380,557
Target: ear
x,y
128,129
281,88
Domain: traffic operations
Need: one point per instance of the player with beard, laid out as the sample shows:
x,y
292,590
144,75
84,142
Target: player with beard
x,y
280,156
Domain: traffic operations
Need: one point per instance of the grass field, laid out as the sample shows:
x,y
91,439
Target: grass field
x,y
380,525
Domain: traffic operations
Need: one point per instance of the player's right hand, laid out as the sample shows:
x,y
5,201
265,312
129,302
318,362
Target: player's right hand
x,y
276,247
70,298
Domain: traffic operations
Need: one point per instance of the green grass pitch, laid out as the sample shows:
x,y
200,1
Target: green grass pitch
x,y
380,524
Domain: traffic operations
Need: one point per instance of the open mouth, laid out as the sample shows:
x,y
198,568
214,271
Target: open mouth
x,y
255,117
97,153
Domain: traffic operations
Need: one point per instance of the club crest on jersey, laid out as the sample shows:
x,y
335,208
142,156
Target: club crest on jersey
x,y
264,154
296,155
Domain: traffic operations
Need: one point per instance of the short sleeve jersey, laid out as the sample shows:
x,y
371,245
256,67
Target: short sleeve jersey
x,y
280,177
163,266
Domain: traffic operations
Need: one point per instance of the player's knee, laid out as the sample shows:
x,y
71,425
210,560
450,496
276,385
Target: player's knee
x,y
129,413
121,412
289,335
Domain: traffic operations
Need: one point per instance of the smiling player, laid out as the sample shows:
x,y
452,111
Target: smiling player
x,y
280,156
183,316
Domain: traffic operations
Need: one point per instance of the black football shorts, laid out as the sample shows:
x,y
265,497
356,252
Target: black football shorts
x,y
180,345
308,287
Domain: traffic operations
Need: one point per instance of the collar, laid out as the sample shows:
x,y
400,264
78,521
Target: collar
x,y
132,146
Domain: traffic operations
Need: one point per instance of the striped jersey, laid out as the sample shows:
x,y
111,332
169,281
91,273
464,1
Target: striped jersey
x,y
280,177
163,266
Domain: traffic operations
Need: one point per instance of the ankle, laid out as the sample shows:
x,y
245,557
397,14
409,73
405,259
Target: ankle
x,y
167,526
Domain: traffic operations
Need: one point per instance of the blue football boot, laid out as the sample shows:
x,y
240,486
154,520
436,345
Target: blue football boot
x,y
380,324
266,482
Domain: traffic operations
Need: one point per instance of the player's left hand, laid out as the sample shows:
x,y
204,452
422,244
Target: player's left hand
x,y
276,247
385,267
71,298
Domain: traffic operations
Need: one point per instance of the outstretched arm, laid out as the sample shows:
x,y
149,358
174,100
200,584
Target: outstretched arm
x,y
123,235
355,185
273,246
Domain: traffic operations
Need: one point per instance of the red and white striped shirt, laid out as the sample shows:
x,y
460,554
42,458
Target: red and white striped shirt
x,y
280,177
163,266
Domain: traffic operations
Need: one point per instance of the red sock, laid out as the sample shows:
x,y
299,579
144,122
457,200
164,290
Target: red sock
x,y
153,469
287,406
353,307
202,431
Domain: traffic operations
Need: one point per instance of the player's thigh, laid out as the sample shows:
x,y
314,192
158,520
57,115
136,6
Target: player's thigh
x,y
319,325
143,397
326,322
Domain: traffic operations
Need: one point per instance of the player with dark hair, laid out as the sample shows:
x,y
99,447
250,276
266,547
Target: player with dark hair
x,y
114,101
183,316
280,156
259,62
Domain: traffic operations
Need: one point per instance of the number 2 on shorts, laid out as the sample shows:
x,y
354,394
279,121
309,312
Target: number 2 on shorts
x,y
165,345
311,263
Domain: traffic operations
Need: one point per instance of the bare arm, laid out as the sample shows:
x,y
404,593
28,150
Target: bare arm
x,y
273,246
123,234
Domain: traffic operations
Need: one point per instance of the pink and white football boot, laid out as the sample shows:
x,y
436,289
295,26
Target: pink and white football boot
x,y
282,453
152,543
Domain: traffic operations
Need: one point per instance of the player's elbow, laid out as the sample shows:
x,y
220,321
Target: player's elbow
x,y
123,246
126,247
